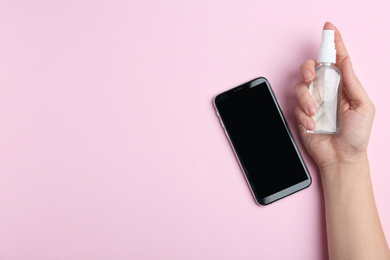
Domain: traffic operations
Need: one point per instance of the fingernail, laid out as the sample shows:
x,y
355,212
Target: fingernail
x,y
309,125
312,109
307,75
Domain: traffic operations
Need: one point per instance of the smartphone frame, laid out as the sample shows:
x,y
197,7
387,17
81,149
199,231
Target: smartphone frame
x,y
282,193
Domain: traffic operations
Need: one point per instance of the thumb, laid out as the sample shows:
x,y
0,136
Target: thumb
x,y
351,84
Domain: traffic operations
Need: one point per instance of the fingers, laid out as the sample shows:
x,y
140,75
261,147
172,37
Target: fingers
x,y
341,50
302,130
305,100
308,70
306,121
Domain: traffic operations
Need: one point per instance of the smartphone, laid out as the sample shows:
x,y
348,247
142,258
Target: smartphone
x,y
262,141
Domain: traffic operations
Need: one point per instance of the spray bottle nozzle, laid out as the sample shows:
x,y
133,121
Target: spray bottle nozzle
x,y
327,52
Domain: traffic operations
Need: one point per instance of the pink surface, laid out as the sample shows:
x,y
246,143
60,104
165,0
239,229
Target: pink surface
x,y
109,144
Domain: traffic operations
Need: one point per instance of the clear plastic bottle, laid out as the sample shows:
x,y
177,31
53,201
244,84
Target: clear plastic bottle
x,y
326,87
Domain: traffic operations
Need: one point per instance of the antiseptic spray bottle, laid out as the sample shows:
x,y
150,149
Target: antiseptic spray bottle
x,y
326,87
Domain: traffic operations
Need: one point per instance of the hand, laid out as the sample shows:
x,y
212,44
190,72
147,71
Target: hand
x,y
356,114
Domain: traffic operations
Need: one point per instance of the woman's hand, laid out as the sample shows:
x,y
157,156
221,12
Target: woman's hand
x,y
356,114
353,226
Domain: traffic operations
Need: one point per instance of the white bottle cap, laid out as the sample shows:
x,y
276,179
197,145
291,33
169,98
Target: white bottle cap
x,y
327,52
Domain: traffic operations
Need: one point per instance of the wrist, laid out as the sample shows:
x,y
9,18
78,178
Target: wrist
x,y
346,170
345,162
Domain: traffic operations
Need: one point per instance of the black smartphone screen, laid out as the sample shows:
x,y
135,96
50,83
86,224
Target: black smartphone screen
x,y
262,141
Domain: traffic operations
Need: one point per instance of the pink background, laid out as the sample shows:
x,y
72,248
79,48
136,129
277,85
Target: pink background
x,y
109,144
